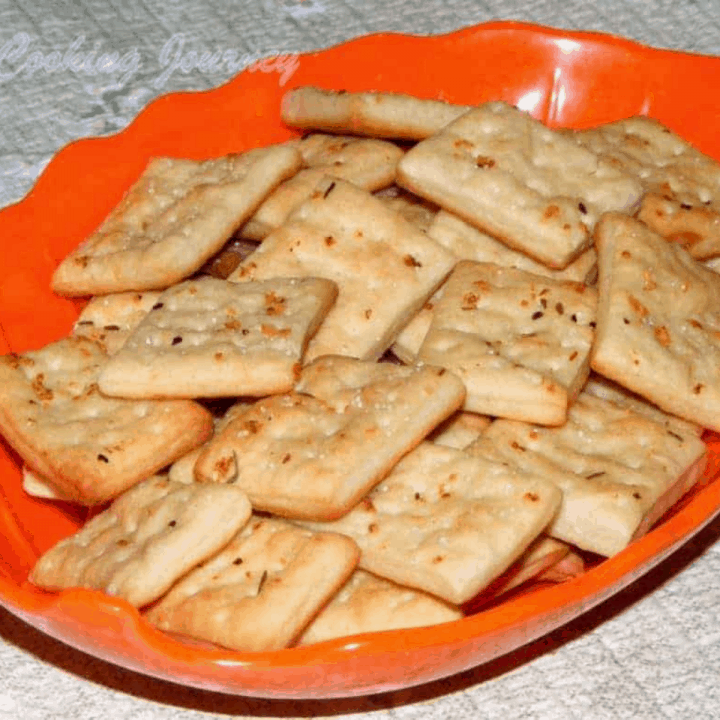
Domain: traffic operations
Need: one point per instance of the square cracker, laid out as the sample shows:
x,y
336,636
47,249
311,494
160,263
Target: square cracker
x,y
619,471
89,447
682,184
175,217
146,540
380,114
531,187
261,591
369,603
468,243
109,319
214,338
368,163
384,266
658,331
448,523
520,342
315,452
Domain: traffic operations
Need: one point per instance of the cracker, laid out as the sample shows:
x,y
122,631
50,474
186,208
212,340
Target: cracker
x,y
147,539
682,184
262,590
448,523
380,114
89,447
368,603
316,452
541,555
174,218
368,163
460,429
520,342
109,319
385,267
183,469
658,328
525,184
568,567
601,387
417,210
37,486
619,471
232,254
468,243
214,338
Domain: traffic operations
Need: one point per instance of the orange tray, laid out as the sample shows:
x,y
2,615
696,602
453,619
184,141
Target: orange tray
x,y
563,78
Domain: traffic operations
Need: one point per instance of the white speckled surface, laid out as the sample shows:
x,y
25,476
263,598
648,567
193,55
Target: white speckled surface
x,y
651,652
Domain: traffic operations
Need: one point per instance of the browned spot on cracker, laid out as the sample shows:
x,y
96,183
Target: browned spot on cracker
x,y
662,336
233,325
43,393
410,261
330,240
272,331
484,162
637,306
686,238
531,496
698,388
470,301
367,504
551,211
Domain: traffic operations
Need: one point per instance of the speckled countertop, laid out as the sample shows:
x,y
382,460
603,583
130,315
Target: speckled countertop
x,y
653,651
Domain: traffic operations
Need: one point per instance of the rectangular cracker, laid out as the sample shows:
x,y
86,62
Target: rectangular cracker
x,y
261,591
520,342
369,603
316,452
146,540
618,470
367,163
374,254
468,243
507,174
175,217
658,328
215,338
380,114
89,447
448,523
109,319
682,184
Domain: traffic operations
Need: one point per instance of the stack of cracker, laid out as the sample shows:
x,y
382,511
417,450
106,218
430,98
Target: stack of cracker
x,y
338,385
